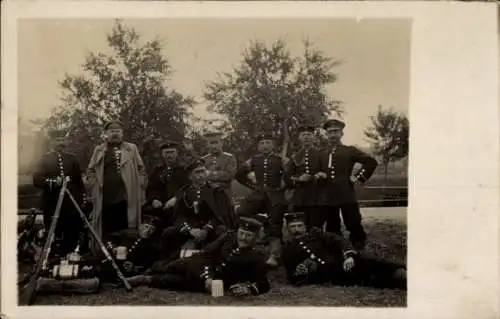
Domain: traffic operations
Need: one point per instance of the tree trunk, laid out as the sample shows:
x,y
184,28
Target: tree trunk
x,y
386,168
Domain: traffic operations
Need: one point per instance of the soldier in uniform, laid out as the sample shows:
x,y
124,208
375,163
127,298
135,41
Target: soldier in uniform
x,y
264,174
302,177
164,183
221,165
315,257
202,213
337,190
232,258
49,175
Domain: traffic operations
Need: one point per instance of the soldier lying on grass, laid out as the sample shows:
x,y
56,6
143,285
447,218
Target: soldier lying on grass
x,y
317,257
232,258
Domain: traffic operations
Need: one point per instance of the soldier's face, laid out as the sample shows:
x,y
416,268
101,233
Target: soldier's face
x,y
215,145
199,175
265,146
297,229
334,134
114,134
246,238
170,154
59,143
306,138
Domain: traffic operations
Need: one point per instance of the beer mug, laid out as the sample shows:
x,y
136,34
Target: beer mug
x,y
217,288
121,253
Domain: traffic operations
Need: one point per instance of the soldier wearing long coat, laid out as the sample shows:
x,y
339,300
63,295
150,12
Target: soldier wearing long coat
x,y
337,179
117,179
53,167
312,256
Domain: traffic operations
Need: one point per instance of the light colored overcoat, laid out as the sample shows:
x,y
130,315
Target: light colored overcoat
x,y
135,179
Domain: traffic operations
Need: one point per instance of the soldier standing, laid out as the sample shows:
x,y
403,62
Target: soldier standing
x,y
232,258
54,166
221,165
302,177
164,183
200,213
264,173
337,192
316,257
118,180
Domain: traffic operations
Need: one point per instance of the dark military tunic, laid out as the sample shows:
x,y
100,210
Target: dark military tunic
x,y
338,164
59,164
305,161
164,183
328,251
268,194
221,260
204,208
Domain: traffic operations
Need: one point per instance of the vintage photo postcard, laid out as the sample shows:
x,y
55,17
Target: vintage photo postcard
x,y
250,160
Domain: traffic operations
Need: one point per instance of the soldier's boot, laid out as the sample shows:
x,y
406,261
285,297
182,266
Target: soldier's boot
x,y
275,252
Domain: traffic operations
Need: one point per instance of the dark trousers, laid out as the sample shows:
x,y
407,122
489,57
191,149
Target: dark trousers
x,y
114,218
166,216
258,203
175,275
370,272
69,226
351,216
172,241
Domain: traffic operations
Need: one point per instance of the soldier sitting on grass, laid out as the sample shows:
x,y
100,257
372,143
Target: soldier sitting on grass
x,y
317,257
232,258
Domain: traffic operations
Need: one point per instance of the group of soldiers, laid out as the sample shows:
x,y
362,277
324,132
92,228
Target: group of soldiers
x,y
188,206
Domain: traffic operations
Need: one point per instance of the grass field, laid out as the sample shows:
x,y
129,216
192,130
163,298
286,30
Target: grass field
x,y
387,233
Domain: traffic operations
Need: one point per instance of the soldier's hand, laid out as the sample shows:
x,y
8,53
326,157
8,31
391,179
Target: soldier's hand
x,y
208,285
251,177
170,203
304,177
239,290
156,204
312,265
59,181
195,232
321,175
202,235
348,264
301,270
354,179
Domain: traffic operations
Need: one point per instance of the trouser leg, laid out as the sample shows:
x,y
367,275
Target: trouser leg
x,y
333,222
352,220
380,273
171,241
114,218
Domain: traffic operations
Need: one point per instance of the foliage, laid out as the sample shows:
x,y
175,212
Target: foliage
x,y
389,136
129,85
270,90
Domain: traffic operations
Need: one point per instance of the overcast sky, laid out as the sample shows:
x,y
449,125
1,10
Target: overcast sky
x,y
375,55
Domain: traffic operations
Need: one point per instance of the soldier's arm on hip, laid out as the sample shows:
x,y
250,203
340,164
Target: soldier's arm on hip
x,y
368,162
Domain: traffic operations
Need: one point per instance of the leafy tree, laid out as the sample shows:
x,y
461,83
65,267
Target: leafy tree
x,y
129,85
389,136
270,90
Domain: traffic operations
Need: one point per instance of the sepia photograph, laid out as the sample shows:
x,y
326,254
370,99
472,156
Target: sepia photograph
x,y
266,159
174,155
